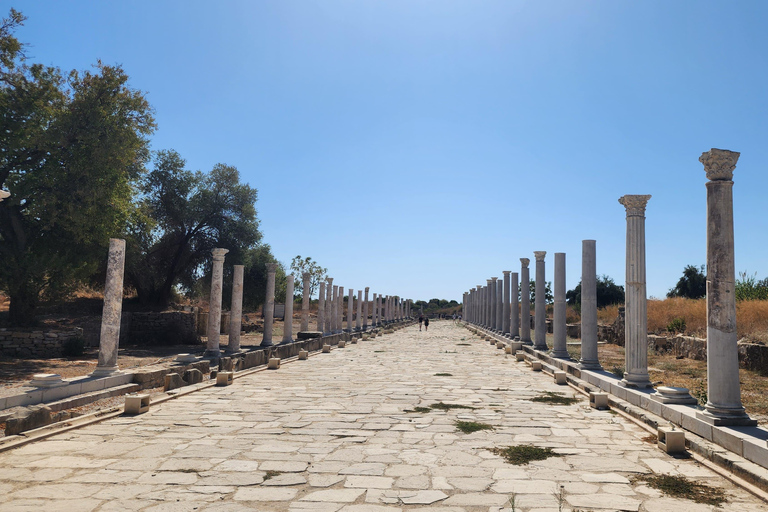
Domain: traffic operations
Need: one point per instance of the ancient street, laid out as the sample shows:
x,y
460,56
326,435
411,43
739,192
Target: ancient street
x,y
338,432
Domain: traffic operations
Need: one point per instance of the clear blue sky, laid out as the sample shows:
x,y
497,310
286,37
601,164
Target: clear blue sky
x,y
420,147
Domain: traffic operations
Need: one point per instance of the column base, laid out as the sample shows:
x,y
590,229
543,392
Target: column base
x,y
266,343
561,355
209,353
726,420
540,347
106,371
592,365
635,383
285,342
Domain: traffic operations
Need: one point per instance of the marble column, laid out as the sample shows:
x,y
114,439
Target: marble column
x,y
329,306
374,310
335,310
288,309
365,309
479,306
321,308
514,322
724,405
560,341
269,308
351,310
525,302
507,313
236,310
494,303
214,303
112,312
540,303
306,279
589,359
636,326
340,310
359,319
500,306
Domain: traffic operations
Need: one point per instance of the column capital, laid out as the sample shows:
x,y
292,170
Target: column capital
x,y
218,254
330,280
306,275
488,281
539,255
524,262
271,268
719,163
635,204
479,287
506,272
367,288
494,278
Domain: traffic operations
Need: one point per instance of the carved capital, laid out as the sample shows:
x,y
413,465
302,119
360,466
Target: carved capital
x,y
218,254
271,268
330,280
506,272
719,164
635,204
494,278
488,281
524,262
539,255
367,288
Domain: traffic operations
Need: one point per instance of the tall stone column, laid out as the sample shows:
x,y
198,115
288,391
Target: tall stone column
x,y
723,389
351,310
288,317
365,309
525,302
236,311
374,310
507,313
589,359
636,326
540,303
514,323
321,307
335,310
359,319
214,306
487,305
340,310
329,306
305,298
109,341
479,305
269,308
500,306
560,341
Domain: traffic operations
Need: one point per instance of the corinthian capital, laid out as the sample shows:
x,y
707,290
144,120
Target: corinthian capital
x,y
719,164
524,262
218,254
539,255
635,204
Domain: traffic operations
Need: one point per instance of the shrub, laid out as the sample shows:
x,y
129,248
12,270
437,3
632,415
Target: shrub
x,y
676,325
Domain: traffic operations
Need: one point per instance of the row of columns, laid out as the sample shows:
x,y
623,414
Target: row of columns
x,y
724,405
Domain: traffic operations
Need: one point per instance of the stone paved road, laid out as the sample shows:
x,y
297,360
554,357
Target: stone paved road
x,y
331,434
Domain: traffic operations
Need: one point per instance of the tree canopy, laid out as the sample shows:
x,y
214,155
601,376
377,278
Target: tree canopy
x,y
608,293
317,274
692,284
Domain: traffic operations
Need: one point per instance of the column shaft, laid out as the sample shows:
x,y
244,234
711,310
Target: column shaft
x,y
589,358
560,342
288,310
514,322
112,312
540,303
236,309
269,307
305,298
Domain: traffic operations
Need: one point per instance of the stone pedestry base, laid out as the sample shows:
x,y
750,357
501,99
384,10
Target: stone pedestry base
x,y
718,421
670,395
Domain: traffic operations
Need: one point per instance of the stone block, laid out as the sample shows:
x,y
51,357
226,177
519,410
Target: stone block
x,y
226,364
224,378
308,335
499,344
303,355
561,378
326,348
274,363
536,366
137,404
192,376
29,418
598,400
507,349
671,441
342,344
173,381
520,355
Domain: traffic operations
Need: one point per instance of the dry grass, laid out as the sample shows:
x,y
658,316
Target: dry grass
x,y
608,314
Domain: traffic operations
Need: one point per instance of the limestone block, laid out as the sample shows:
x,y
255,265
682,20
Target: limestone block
x,y
342,343
536,366
186,358
671,441
274,363
507,349
192,376
499,344
561,378
224,378
47,380
27,419
173,381
307,335
326,348
225,364
520,355
137,404
598,400
303,355
366,337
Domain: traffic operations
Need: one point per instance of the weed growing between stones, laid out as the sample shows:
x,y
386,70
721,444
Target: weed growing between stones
x,y
271,474
418,409
463,344
445,407
618,371
443,375
523,453
678,486
651,438
472,426
552,398
379,351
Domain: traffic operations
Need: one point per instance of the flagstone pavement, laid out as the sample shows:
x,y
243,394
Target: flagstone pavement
x,y
333,433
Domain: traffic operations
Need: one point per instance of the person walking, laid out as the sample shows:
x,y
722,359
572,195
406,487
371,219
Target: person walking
x,y
426,324
421,320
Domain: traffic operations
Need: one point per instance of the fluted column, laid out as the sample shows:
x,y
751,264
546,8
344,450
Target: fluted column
x,y
269,306
112,311
321,307
214,305
335,310
236,310
636,326
514,322
525,302
506,313
560,341
589,359
288,309
306,280
724,405
365,309
540,303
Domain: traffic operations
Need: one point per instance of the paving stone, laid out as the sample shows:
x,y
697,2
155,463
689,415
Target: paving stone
x,y
604,501
334,495
364,468
323,480
369,482
283,466
477,500
284,480
265,494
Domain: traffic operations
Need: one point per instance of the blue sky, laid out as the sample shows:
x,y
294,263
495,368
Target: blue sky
x,y
420,147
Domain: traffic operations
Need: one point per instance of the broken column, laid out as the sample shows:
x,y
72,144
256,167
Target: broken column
x,y
540,303
214,306
288,309
365,309
636,326
589,359
560,340
236,310
112,312
269,306
305,298
723,389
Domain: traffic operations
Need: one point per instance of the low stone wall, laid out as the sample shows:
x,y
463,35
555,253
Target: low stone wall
x,y
36,343
164,328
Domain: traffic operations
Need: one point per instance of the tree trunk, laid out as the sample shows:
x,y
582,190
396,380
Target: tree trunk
x,y
21,311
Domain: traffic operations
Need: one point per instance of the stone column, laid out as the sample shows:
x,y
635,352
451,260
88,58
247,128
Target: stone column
x,y
335,310
351,310
525,302
500,306
329,306
589,359
487,305
723,389
321,307
340,311
305,298
479,305
374,310
636,327
540,303
514,323
214,305
288,317
506,312
269,308
236,311
109,341
359,319
560,341
365,310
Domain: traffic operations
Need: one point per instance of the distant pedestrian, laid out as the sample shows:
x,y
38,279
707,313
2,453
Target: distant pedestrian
x,y
421,320
426,324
